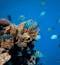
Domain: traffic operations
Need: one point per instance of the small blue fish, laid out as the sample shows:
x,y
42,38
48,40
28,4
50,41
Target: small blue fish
x,y
38,54
38,37
54,36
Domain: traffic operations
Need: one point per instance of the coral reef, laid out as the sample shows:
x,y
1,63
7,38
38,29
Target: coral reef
x,y
17,43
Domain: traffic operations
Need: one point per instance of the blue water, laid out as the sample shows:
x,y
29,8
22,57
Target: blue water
x,y
49,17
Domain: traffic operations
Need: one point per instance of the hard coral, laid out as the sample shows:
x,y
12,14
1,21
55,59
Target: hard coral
x,y
18,43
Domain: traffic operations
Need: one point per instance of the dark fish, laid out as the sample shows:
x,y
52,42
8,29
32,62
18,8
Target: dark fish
x,y
9,17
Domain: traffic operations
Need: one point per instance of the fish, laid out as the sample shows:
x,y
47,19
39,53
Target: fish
x,y
54,36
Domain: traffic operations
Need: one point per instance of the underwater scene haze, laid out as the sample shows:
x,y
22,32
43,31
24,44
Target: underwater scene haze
x,y
40,16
